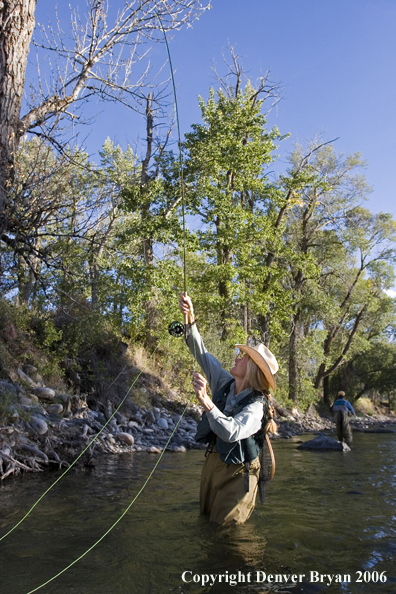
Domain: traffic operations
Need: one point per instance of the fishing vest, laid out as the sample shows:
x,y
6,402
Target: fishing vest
x,y
236,452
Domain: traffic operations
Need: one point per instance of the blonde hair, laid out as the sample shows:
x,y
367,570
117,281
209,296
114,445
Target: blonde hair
x,y
256,379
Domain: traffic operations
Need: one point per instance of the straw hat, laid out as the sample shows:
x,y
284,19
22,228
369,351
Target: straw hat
x,y
263,357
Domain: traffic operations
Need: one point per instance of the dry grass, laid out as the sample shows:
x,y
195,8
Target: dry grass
x,y
365,406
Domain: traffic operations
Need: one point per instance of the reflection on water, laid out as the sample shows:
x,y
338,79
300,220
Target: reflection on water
x,y
330,513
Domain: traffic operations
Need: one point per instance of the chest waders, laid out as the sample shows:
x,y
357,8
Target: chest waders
x,y
242,451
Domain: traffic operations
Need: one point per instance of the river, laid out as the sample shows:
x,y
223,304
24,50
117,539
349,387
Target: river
x,y
331,513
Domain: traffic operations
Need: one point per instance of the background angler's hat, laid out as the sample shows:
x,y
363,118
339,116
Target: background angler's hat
x,y
263,357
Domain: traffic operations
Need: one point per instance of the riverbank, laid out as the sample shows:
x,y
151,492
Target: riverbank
x,y
45,428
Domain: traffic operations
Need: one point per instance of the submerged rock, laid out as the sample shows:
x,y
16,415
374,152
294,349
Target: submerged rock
x,y
322,442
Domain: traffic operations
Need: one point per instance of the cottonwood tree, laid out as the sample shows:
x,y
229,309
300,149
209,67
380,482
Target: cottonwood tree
x,y
99,57
358,286
332,186
227,157
370,370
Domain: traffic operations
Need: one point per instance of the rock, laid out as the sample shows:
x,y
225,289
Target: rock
x,y
7,387
12,414
121,420
126,438
162,423
153,450
149,416
133,425
148,431
322,442
29,369
39,425
25,378
44,393
25,401
55,409
180,448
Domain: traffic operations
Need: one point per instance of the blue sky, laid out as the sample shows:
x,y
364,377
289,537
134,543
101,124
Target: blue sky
x,y
335,60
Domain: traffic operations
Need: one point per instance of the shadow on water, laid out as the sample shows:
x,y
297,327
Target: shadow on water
x,y
329,512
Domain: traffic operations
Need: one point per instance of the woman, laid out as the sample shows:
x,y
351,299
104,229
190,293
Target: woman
x,y
231,423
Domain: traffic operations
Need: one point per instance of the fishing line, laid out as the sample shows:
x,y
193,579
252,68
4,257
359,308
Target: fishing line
x,y
86,448
176,333
178,328
123,513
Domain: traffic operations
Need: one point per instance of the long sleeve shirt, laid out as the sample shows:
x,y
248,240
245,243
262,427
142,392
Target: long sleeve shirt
x,y
344,405
229,429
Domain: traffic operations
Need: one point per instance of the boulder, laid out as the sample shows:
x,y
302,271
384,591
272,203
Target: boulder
x,y
322,442
7,388
25,401
126,438
44,393
55,409
39,425
162,423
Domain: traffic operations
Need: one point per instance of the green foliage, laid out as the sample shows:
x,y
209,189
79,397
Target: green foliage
x,y
294,261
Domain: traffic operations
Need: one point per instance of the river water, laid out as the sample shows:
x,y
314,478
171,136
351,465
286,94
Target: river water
x,y
331,513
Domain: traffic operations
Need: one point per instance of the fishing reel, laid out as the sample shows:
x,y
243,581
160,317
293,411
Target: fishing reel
x,y
176,329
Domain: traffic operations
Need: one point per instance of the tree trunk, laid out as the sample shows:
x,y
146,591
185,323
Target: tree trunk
x,y
16,26
264,326
144,181
152,314
295,337
326,391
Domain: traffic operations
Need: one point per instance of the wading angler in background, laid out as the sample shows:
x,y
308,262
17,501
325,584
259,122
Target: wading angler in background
x,y
341,409
233,424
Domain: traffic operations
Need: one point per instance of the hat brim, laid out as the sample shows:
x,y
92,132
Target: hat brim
x,y
260,361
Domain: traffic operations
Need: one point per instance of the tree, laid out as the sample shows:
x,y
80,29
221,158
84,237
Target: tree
x,y
98,58
226,180
330,186
357,291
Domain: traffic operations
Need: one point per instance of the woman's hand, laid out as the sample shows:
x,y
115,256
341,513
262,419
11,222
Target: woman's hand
x,y
186,307
199,385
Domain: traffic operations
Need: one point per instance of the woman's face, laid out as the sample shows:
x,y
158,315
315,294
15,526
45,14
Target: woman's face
x,y
240,368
